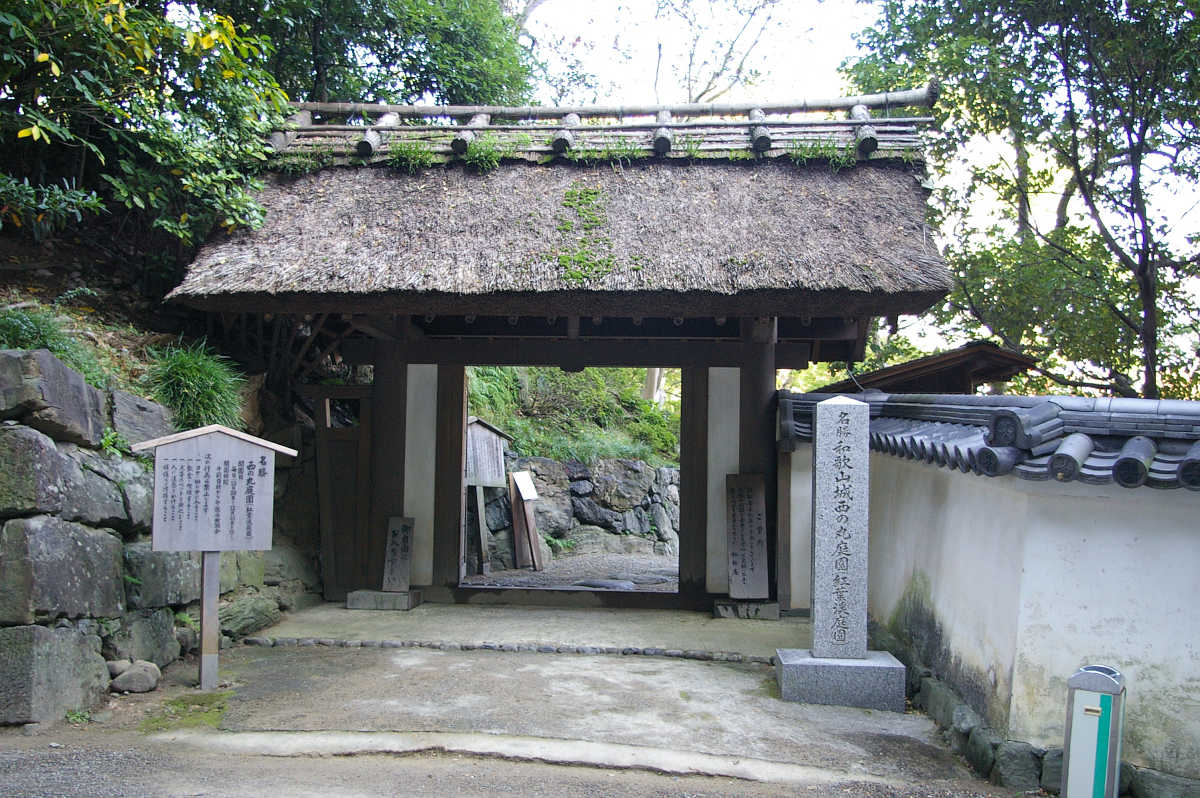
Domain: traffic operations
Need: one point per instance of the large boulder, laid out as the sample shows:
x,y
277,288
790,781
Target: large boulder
x,y
587,539
37,389
1017,766
285,563
140,677
160,578
31,471
144,635
44,673
247,613
51,568
622,484
589,513
137,419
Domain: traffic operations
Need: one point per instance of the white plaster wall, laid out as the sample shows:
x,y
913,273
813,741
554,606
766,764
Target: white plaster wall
x,y
420,446
724,396
1112,577
800,512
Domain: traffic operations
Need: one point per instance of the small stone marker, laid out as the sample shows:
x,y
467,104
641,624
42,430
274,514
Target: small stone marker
x,y
214,490
839,669
397,559
840,498
746,525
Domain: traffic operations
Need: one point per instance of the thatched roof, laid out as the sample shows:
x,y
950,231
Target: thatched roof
x,y
763,237
959,370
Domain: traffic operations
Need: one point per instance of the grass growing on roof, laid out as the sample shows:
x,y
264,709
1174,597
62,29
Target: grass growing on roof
x,y
483,154
410,155
837,156
586,252
200,387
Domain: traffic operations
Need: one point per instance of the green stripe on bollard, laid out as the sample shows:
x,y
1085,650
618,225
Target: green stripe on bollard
x,y
1100,779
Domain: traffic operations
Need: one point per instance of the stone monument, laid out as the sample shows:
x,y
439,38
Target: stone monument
x,y
397,593
839,669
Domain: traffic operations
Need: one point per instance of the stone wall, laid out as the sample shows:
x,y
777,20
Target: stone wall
x,y
617,506
79,582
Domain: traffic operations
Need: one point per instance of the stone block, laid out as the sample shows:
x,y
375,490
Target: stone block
x,y
380,600
37,389
31,471
589,513
1147,783
294,595
621,484
753,610
1052,770
980,751
145,635
160,578
248,613
51,568
284,563
1016,766
874,682
133,478
250,567
938,701
44,673
88,495
138,419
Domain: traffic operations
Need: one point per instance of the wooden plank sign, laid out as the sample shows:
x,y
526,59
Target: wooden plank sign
x,y
525,535
746,524
397,558
214,491
525,486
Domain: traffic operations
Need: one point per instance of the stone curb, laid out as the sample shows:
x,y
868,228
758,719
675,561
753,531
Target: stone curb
x,y
525,647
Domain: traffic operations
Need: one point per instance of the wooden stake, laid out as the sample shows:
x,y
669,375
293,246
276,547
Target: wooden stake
x,y
210,624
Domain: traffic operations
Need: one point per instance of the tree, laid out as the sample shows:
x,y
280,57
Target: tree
x,y
719,40
402,51
104,105
1075,121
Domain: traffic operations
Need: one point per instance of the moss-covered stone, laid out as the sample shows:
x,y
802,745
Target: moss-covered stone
x,y
44,673
30,472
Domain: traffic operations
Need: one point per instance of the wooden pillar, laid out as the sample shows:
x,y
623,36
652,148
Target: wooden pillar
x,y
756,426
210,623
693,483
389,399
448,495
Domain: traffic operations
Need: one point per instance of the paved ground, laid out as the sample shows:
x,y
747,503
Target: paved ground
x,y
651,573
325,720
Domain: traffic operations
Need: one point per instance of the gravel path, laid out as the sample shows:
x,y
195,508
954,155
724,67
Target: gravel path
x,y
651,573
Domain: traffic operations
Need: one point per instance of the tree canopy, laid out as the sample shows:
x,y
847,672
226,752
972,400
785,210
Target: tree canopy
x,y
1066,129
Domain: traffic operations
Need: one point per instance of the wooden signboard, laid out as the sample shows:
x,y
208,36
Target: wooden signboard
x,y
527,550
485,454
397,558
746,524
214,490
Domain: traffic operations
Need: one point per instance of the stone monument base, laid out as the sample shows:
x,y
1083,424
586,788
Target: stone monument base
x,y
876,682
745,608
382,600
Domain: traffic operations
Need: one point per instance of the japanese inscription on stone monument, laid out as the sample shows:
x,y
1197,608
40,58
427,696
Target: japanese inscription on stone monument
x,y
747,533
840,498
397,559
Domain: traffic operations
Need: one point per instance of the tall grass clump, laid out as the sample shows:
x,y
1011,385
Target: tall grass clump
x,y
37,328
199,386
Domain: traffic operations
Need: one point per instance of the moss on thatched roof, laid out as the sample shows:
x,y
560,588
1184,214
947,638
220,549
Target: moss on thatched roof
x,y
758,237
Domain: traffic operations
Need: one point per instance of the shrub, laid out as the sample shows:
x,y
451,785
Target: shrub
x,y
200,387
34,328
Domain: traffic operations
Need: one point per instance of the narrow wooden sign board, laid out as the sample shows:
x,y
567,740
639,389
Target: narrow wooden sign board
x,y
397,556
525,542
746,524
214,491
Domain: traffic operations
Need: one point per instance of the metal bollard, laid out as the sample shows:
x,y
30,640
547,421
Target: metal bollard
x,y
1095,721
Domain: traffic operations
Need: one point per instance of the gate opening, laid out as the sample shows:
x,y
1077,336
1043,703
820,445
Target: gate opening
x,y
599,448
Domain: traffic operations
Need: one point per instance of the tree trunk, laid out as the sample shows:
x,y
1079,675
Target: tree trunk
x,y
1147,282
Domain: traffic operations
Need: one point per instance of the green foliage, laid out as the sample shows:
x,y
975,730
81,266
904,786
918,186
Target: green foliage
x,y
399,51
301,163
621,152
199,386
114,444
559,545
163,118
588,415
689,146
43,210
1073,123
827,150
78,717
410,155
39,328
483,154
185,619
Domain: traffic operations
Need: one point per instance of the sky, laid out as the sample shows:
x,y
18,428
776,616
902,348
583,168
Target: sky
x,y
618,40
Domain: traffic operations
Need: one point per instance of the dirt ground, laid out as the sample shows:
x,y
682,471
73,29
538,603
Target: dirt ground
x,y
647,572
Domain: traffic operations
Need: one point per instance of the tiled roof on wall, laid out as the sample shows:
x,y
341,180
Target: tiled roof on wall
x,y
1132,442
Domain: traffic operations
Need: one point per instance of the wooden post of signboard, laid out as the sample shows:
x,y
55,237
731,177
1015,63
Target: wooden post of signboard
x,y
213,491
525,534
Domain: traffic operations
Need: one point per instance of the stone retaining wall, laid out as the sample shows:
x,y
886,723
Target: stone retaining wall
x,y
618,506
79,582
